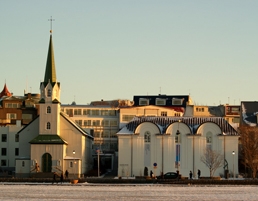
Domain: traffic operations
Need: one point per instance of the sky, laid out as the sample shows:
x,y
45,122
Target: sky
x,y
115,49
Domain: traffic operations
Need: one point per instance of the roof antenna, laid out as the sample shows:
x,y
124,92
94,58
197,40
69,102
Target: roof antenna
x,y
51,20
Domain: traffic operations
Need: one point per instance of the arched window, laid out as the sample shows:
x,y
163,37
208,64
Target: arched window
x,y
23,164
48,109
48,125
208,137
147,136
49,92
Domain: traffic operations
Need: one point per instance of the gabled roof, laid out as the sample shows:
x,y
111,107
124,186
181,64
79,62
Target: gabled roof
x,y
5,92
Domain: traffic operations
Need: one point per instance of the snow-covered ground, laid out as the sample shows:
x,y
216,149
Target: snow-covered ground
x,y
9,191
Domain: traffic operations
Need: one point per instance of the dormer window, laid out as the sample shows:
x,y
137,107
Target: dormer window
x,y
177,101
144,101
160,101
49,92
48,109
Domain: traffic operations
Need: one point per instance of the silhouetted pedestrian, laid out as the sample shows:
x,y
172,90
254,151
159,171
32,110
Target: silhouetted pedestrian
x,y
61,178
151,174
54,178
191,175
66,174
199,173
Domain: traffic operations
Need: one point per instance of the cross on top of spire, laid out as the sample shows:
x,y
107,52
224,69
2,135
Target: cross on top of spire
x,y
51,20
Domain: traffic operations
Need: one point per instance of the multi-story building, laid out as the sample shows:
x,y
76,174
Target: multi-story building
x,y
101,119
13,108
155,105
9,147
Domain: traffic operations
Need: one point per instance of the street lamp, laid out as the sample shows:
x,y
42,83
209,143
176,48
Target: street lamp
x,y
73,162
178,148
233,153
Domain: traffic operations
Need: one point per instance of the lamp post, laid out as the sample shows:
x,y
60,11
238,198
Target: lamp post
x,y
233,153
73,163
178,149
98,160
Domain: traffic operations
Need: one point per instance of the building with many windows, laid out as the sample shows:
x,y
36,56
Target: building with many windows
x,y
9,147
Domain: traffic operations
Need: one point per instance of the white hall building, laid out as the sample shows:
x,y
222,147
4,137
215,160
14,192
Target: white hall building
x,y
168,144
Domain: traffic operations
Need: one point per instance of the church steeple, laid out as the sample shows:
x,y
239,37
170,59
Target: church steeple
x,y
50,73
50,88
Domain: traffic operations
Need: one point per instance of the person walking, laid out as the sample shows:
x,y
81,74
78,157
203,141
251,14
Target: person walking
x,y
54,178
199,173
61,177
66,174
191,175
151,174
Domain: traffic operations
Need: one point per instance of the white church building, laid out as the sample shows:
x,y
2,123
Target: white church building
x,y
170,144
52,142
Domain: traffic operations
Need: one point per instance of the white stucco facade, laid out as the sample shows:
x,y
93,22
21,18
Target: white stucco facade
x,y
165,149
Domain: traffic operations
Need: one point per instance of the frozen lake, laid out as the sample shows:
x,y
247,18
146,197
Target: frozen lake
x,y
137,192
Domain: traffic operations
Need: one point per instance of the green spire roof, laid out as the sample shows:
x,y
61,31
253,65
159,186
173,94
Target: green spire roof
x,y
50,73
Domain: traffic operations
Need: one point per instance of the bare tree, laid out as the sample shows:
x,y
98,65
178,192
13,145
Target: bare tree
x,y
249,147
212,159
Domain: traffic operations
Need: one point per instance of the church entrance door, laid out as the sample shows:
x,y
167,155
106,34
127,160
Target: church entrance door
x,y
46,162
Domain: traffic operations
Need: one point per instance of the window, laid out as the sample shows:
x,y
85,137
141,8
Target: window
x,y
3,151
112,113
209,138
49,92
79,122
77,111
160,101
177,114
23,164
95,112
16,151
12,105
4,137
96,123
199,109
87,122
104,112
113,123
147,137
127,117
71,164
3,162
11,116
105,123
177,101
48,109
164,114
27,116
106,134
48,125
86,112
143,101
16,137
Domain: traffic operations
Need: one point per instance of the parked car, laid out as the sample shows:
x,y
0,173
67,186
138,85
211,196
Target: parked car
x,y
169,175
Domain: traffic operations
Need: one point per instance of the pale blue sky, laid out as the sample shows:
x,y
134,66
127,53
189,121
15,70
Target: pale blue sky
x,y
115,49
